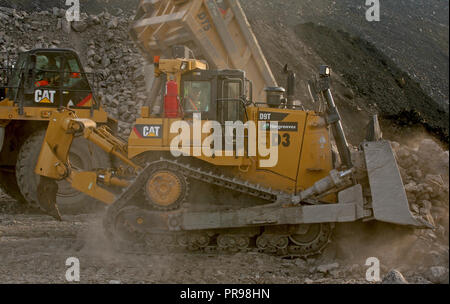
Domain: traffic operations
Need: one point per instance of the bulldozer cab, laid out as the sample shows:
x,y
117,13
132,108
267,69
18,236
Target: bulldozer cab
x,y
219,95
50,78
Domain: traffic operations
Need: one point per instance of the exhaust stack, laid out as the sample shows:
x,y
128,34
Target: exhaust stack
x,y
334,118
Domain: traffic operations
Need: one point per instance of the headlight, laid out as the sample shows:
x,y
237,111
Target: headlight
x,y
325,71
184,65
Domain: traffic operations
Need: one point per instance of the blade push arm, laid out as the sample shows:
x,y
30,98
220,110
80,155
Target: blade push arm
x,y
54,164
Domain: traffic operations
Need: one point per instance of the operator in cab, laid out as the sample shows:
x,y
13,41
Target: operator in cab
x,y
47,72
197,98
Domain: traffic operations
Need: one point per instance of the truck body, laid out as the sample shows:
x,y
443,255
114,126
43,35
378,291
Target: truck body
x,y
217,31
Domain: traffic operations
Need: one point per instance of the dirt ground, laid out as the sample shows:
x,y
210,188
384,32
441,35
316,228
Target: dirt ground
x,y
34,247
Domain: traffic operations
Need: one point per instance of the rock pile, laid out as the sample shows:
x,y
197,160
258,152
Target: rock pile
x,y
424,171
103,45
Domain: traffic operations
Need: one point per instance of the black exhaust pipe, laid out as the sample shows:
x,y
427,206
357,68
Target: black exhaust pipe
x,y
290,87
334,118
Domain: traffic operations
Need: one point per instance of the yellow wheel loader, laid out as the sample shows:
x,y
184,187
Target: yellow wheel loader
x,y
37,84
185,182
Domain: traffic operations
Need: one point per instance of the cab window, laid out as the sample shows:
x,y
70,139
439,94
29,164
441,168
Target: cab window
x,y
15,77
233,95
72,74
47,67
196,96
230,107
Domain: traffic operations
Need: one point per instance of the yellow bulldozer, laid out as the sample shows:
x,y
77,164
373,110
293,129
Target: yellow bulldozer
x,y
221,157
34,85
184,182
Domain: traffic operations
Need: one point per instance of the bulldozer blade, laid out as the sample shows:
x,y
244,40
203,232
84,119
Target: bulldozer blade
x,y
46,193
389,200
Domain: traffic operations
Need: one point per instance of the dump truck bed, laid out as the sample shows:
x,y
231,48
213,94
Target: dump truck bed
x,y
217,31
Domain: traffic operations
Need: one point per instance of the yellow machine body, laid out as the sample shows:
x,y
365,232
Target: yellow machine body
x,y
304,155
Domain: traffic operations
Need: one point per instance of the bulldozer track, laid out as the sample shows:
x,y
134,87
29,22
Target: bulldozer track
x,y
206,242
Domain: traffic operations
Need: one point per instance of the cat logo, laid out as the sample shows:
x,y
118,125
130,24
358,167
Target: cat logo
x,y
148,131
44,96
151,131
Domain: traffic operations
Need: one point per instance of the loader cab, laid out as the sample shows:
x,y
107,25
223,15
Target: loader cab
x,y
51,77
218,95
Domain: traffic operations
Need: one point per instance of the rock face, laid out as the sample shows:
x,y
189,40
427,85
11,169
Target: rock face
x,y
104,48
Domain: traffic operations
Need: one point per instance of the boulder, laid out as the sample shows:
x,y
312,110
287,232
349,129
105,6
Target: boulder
x,y
3,17
6,10
439,275
113,23
57,12
79,26
94,20
394,277
327,268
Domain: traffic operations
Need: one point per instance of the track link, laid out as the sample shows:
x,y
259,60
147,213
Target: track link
x,y
210,242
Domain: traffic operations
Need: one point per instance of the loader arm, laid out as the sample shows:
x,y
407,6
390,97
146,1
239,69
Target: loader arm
x,y
54,163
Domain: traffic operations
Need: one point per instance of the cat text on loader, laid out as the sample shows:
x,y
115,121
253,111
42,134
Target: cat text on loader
x,y
32,87
232,202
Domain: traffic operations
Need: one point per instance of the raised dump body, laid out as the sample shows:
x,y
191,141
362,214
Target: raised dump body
x,y
216,30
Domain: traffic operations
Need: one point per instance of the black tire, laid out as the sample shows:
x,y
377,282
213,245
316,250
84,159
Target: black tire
x,y
8,184
83,155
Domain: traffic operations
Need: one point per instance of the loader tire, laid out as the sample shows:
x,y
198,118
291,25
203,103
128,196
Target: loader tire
x,y
83,155
8,184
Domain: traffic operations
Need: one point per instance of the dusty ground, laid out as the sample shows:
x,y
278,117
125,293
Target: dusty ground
x,y
34,248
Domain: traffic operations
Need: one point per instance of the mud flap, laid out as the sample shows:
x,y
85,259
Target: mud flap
x,y
389,200
46,194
